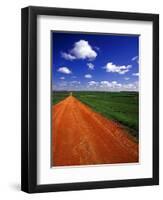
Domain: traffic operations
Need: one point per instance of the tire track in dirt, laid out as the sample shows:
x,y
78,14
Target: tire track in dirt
x,y
81,136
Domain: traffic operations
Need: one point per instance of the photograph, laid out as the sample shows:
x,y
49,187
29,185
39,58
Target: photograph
x,y
95,98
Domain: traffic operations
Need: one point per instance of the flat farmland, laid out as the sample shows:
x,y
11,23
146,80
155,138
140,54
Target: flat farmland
x,y
122,107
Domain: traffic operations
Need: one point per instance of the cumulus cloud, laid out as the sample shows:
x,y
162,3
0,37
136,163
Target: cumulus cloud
x,y
62,78
88,76
67,85
135,74
90,66
81,50
107,84
64,70
67,56
93,83
112,86
110,67
131,86
115,84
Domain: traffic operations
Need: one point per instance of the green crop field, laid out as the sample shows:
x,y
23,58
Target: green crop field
x,y
119,106
58,96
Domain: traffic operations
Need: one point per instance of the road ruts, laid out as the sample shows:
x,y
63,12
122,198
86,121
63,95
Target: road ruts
x,y
81,136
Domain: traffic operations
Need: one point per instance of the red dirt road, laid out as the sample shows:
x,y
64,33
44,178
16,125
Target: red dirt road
x,y
81,136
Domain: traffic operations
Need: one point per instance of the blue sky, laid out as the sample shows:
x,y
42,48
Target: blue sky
x,y
98,62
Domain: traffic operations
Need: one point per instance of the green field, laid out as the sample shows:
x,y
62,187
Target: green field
x,y
119,106
59,96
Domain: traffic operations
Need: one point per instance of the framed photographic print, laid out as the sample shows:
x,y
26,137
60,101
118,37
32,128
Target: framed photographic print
x,y
90,99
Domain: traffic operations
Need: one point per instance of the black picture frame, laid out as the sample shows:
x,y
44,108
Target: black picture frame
x,y
29,99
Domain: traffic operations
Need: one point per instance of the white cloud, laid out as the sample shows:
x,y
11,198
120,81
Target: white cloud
x,y
75,82
115,84
112,86
127,78
64,70
135,74
67,56
110,67
131,86
107,84
81,50
62,78
103,85
90,66
93,83
88,76
134,58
